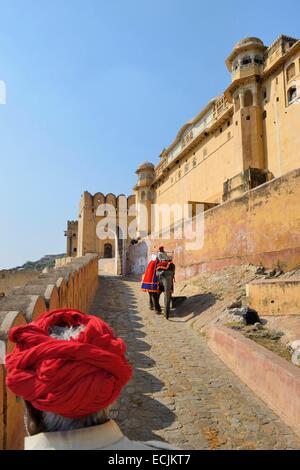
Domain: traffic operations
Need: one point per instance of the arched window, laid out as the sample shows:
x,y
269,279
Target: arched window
x,y
292,94
143,195
258,60
248,98
246,60
290,72
149,195
107,250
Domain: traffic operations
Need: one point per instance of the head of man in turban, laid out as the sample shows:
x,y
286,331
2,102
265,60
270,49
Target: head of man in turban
x,y
69,368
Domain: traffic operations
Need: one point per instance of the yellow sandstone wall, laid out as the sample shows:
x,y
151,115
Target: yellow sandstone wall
x,y
262,226
200,176
11,279
88,240
281,126
274,297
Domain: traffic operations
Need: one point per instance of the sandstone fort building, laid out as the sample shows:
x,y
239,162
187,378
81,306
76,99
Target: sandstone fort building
x,y
239,157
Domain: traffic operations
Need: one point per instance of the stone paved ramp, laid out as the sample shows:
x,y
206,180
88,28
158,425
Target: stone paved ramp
x,y
181,392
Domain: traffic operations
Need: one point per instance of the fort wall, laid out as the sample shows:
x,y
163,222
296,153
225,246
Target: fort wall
x,y
89,217
262,226
10,279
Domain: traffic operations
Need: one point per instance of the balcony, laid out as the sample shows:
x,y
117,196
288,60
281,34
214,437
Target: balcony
x,y
247,70
220,107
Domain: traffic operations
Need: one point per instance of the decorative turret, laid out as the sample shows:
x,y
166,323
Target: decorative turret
x,y
144,196
247,58
246,62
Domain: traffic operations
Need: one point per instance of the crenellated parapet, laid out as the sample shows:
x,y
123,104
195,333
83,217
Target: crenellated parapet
x,y
90,201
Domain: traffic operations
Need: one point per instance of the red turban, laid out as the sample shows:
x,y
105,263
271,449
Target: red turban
x,y
72,378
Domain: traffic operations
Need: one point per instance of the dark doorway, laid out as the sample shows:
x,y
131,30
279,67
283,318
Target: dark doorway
x,y
108,250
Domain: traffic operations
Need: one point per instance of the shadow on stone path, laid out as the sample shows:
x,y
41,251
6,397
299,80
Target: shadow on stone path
x,y
181,392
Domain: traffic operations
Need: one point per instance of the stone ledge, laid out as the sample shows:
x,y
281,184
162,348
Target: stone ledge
x,y
271,378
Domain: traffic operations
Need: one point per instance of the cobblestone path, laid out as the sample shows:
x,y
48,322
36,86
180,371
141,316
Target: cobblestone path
x,y
181,392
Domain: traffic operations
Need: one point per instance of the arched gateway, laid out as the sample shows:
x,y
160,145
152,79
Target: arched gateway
x,y
112,248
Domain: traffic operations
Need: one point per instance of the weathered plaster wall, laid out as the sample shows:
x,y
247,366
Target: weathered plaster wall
x,y
274,297
11,279
137,257
263,226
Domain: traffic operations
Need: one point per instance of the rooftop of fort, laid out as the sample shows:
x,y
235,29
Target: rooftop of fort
x,y
88,199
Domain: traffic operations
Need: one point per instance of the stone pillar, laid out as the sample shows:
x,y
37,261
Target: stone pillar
x,y
242,98
255,97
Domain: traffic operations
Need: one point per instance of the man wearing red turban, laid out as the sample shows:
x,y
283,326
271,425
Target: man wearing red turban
x,y
69,368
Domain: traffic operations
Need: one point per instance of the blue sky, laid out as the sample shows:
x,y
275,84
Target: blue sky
x,y
94,87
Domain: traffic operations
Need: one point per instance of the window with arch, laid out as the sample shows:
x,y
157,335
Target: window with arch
x,y
248,98
143,195
246,60
258,60
107,250
290,72
149,195
292,94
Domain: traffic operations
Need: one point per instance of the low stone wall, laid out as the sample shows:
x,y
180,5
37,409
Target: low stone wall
x,y
273,379
262,226
60,262
274,297
71,286
10,279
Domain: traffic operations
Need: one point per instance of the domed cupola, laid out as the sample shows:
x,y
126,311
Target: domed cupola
x,y
247,58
